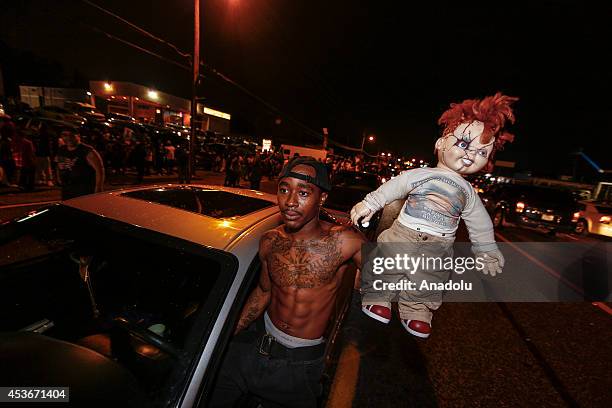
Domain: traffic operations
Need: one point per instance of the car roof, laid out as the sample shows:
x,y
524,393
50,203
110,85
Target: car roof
x,y
217,233
51,121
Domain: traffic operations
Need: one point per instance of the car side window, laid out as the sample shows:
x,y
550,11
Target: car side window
x,y
142,299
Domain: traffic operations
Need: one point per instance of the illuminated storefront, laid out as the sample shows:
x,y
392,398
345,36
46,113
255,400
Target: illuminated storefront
x,y
153,106
145,104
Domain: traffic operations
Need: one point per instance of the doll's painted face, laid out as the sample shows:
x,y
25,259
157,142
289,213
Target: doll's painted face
x,y
461,151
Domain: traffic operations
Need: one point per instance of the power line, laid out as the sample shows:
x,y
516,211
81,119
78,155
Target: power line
x,y
217,73
222,76
139,29
126,42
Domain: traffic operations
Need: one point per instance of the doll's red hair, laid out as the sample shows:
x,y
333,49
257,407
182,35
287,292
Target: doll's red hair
x,y
493,111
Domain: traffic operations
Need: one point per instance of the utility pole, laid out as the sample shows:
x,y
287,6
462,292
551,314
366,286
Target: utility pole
x,y
363,139
194,100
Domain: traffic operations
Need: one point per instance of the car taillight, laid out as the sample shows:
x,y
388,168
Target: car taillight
x,y
575,216
605,219
520,206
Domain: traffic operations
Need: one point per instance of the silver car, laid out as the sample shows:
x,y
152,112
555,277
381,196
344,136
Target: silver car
x,y
130,297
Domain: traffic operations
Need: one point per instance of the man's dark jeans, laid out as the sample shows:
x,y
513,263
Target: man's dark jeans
x,y
276,382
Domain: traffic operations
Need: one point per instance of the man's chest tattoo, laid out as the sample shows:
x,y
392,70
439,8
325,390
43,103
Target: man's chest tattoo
x,y
304,264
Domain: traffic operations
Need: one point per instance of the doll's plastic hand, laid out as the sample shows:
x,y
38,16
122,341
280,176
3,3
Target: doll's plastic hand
x,y
493,262
361,211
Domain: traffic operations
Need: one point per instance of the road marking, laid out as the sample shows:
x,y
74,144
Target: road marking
x,y
542,265
4,207
603,307
554,273
343,388
569,236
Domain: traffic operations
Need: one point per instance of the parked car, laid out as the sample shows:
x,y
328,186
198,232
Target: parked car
x,y
530,206
112,116
57,113
349,188
130,297
86,110
32,124
595,216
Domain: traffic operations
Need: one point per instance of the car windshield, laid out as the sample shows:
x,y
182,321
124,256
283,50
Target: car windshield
x,y
86,109
350,187
94,282
209,202
604,194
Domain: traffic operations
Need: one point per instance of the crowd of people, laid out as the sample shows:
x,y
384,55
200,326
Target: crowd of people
x,y
28,157
253,167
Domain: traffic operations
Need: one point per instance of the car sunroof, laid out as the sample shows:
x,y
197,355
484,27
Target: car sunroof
x,y
212,203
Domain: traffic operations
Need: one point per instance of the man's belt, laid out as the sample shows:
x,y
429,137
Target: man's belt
x,y
268,346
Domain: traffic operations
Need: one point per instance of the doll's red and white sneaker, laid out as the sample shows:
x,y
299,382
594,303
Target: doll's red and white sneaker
x,y
417,328
378,312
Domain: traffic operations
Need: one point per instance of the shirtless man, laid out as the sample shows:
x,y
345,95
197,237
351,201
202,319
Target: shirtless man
x,y
277,353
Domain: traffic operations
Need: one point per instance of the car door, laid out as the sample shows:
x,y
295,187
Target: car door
x,y
149,301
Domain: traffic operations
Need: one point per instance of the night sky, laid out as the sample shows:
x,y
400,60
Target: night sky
x,y
390,68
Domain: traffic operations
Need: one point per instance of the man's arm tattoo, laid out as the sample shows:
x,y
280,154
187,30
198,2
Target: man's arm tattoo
x,y
260,297
255,305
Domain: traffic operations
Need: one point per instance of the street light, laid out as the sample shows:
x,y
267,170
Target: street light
x,y
371,139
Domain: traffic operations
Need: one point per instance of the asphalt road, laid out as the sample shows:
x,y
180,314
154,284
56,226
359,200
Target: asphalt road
x,y
479,355
483,354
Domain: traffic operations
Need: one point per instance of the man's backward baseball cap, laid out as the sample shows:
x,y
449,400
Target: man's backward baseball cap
x,y
321,178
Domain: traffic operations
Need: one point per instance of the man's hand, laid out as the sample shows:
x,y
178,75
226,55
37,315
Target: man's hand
x,y
361,211
493,262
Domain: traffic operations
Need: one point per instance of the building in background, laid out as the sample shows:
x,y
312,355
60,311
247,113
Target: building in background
x,y
145,104
37,96
213,120
153,106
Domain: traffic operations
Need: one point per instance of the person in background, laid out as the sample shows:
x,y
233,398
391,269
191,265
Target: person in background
x,y
182,164
7,165
42,145
255,174
25,160
139,155
232,171
148,158
80,170
169,156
